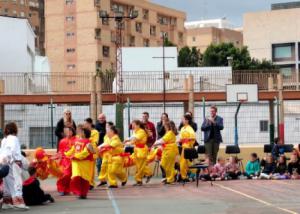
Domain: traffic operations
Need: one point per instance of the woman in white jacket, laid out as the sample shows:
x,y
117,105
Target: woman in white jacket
x,y
11,150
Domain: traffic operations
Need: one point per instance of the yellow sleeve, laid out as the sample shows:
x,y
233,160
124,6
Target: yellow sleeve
x,y
70,152
94,137
115,142
140,135
167,137
83,154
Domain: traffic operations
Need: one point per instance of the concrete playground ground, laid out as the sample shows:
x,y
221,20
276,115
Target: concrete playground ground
x,y
241,196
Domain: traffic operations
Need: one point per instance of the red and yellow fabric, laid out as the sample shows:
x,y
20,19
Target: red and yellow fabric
x,y
63,183
140,155
105,154
81,159
169,154
94,141
187,139
116,168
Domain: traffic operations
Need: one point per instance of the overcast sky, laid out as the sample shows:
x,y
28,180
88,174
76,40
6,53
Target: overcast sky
x,y
233,10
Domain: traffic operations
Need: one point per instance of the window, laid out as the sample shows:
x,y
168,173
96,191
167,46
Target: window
x,y
70,34
98,65
287,71
180,36
283,52
71,82
146,42
113,37
14,13
22,2
145,14
70,50
97,3
22,14
132,41
71,66
152,30
162,34
105,51
29,14
105,21
163,20
263,126
138,27
194,39
69,2
98,33
173,21
70,18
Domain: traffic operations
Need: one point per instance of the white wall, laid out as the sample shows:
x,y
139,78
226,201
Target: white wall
x,y
17,47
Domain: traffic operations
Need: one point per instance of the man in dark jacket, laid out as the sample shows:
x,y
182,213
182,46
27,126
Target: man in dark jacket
x,y
212,133
101,128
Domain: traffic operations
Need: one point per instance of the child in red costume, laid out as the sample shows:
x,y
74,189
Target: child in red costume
x,y
63,182
81,155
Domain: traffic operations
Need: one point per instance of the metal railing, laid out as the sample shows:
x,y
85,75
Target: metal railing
x,y
176,81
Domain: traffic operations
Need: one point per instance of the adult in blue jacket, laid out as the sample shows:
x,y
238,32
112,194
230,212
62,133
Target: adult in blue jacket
x,y
212,127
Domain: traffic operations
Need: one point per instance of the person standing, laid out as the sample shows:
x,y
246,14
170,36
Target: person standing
x,y
212,127
94,142
170,151
64,122
187,138
63,183
139,140
150,127
192,124
160,125
11,150
101,128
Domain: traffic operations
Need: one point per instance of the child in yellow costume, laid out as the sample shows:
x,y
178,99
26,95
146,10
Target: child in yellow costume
x,y
170,151
105,153
139,140
187,139
116,170
94,142
81,155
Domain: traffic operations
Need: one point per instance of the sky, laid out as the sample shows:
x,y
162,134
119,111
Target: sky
x,y
233,10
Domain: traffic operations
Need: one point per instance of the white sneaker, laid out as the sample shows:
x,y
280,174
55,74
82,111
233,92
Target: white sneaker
x,y
21,207
7,206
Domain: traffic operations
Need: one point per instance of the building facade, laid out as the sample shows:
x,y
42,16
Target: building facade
x,y
33,10
274,35
201,34
78,40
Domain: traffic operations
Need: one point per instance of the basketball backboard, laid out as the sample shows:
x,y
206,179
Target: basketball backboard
x,y
236,93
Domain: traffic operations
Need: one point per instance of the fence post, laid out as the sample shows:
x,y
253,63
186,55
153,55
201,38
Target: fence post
x,y
2,90
191,93
93,107
281,106
186,90
99,94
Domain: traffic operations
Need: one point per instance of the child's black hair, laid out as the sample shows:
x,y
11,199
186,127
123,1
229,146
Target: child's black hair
x,y
87,133
254,155
31,170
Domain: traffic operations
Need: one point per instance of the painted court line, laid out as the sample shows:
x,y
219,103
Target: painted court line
x,y
255,199
113,201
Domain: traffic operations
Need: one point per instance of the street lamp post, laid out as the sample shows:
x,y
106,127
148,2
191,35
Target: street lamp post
x,y
119,17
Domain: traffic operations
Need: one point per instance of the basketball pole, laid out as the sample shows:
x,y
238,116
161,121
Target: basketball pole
x,y
236,135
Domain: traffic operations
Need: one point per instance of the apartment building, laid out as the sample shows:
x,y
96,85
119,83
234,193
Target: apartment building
x,y
275,35
33,10
78,40
201,34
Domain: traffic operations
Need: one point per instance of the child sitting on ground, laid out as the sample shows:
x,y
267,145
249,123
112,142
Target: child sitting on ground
x,y
32,192
294,167
232,169
252,167
281,169
269,168
219,170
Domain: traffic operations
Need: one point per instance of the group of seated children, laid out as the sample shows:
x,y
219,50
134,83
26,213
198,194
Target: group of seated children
x,y
221,170
268,168
274,168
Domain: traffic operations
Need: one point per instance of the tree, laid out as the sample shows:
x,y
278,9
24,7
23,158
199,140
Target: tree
x,y
216,55
189,57
168,43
